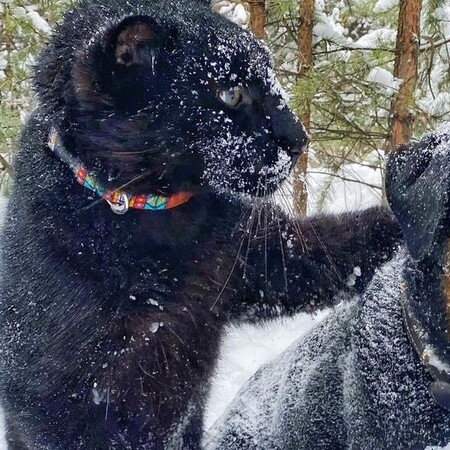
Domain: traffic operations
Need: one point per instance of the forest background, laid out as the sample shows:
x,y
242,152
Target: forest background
x,y
363,75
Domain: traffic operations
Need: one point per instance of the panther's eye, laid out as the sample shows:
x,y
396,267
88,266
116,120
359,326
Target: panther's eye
x,y
231,97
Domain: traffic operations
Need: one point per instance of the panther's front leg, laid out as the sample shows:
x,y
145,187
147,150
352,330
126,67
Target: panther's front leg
x,y
292,265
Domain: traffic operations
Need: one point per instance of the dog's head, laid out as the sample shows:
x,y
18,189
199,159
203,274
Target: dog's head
x,y
418,191
417,187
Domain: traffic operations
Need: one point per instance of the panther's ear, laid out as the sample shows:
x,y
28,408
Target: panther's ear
x,y
417,188
136,39
117,66
131,42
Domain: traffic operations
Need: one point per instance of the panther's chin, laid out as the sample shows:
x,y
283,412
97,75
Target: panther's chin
x,y
262,188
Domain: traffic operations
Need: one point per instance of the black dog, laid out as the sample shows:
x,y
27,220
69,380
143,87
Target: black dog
x,y
376,373
111,323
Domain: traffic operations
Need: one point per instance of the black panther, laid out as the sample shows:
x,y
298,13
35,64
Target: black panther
x,y
375,374
139,226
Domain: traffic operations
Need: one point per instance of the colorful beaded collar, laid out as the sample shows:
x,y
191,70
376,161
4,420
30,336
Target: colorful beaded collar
x,y
119,201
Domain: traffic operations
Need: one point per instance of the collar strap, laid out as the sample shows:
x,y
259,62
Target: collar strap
x,y
438,370
119,201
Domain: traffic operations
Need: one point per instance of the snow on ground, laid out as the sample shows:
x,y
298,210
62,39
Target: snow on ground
x,y
244,350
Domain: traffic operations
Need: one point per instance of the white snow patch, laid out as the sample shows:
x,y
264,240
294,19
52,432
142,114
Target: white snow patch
x,y
384,5
430,357
241,14
353,187
3,203
97,396
233,11
443,129
329,26
326,31
442,14
281,166
29,12
154,327
245,349
377,38
19,12
447,447
438,106
3,60
384,79
276,89
2,432
39,23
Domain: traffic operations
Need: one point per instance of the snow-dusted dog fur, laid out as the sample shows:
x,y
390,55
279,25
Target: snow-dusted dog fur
x,y
375,373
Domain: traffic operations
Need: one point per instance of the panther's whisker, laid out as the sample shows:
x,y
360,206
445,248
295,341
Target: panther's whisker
x,y
165,356
325,249
294,222
232,268
175,334
250,232
283,258
321,243
107,404
302,238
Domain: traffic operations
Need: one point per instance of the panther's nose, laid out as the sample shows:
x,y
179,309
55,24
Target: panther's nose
x,y
289,133
298,149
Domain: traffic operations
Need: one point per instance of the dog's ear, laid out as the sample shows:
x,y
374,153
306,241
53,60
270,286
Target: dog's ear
x,y
417,188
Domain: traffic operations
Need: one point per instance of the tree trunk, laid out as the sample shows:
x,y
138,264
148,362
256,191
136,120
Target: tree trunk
x,y
305,62
405,68
258,17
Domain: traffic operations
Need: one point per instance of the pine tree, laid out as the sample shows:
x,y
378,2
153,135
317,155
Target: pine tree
x,y
305,64
258,17
24,27
405,69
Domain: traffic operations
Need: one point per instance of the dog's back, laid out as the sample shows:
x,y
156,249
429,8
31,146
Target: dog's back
x,y
353,382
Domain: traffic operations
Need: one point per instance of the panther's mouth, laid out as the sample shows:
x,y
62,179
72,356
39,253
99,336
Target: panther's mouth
x,y
282,166
272,176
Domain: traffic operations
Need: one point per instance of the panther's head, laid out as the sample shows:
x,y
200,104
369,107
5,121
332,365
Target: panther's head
x,y
170,95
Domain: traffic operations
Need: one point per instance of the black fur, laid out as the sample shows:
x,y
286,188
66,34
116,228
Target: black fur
x,y
111,324
418,187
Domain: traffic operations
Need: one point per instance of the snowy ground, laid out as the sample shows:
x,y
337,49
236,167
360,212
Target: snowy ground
x,y
245,350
